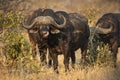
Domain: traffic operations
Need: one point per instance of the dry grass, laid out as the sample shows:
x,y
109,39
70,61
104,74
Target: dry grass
x,y
44,73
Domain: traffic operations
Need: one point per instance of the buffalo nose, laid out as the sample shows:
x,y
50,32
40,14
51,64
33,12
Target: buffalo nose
x,y
45,34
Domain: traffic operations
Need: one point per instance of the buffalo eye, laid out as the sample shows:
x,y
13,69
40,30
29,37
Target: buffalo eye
x,y
35,29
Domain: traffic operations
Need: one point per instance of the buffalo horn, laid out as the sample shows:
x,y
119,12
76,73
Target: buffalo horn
x,y
45,20
104,31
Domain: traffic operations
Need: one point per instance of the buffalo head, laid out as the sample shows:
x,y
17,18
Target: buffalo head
x,y
42,25
105,25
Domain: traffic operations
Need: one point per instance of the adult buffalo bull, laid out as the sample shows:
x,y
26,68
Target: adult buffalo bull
x,y
35,36
108,29
65,34
80,34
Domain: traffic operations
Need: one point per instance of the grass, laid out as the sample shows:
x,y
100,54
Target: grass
x,y
27,69
45,73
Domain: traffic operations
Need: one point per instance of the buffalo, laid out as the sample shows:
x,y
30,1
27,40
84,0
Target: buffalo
x,y
65,33
108,29
35,36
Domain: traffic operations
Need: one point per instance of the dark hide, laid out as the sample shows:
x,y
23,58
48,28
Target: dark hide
x,y
66,40
73,36
35,37
112,38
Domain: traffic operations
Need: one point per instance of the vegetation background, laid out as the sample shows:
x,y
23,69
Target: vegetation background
x,y
15,51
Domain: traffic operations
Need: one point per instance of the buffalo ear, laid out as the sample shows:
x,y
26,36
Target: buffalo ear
x,y
33,31
55,31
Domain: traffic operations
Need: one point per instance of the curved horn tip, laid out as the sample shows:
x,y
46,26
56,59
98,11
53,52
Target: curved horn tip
x,y
104,31
60,25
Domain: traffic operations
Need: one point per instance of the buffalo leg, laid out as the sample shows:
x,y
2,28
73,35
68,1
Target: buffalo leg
x,y
43,53
66,61
83,52
67,55
73,59
55,62
34,50
54,57
49,60
114,49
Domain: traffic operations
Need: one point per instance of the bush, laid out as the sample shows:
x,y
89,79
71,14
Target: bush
x,y
99,53
16,49
10,19
105,56
91,14
15,46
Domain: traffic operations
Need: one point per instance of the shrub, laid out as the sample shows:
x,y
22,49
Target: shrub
x,y
99,53
16,49
15,46
91,14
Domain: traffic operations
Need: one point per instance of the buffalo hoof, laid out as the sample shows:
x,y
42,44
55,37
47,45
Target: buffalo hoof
x,y
73,66
56,71
49,66
43,63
